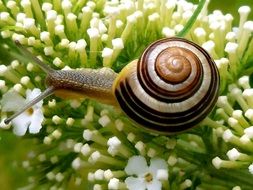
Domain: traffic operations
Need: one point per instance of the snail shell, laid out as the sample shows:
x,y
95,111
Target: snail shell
x,y
172,87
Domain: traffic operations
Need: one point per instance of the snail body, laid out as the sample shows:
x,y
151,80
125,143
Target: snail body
x,y
170,88
84,83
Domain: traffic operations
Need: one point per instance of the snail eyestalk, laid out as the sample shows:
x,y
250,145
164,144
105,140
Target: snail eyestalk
x,y
43,95
42,65
50,90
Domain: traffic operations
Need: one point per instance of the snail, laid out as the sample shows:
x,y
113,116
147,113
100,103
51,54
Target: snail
x,y
172,87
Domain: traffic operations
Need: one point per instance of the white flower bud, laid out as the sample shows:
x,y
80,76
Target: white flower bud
x,y
113,184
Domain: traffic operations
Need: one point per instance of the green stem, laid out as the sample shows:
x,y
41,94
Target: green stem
x,y
192,20
248,71
231,177
223,177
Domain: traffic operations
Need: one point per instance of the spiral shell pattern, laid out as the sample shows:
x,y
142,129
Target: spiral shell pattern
x,y
172,87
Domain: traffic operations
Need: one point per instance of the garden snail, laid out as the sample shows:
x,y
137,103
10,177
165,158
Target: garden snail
x,y
172,87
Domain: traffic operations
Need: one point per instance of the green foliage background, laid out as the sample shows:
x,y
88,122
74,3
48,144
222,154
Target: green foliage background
x,y
13,149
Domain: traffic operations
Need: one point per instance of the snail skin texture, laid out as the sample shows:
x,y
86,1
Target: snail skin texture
x,y
170,88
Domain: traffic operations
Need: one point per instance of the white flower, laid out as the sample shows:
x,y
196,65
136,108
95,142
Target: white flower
x,y
31,118
251,168
146,177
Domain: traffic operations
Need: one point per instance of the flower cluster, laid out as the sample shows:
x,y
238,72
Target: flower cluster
x,y
92,143
235,115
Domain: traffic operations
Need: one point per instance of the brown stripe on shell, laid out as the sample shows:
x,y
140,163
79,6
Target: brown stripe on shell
x,y
164,122
167,95
139,108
